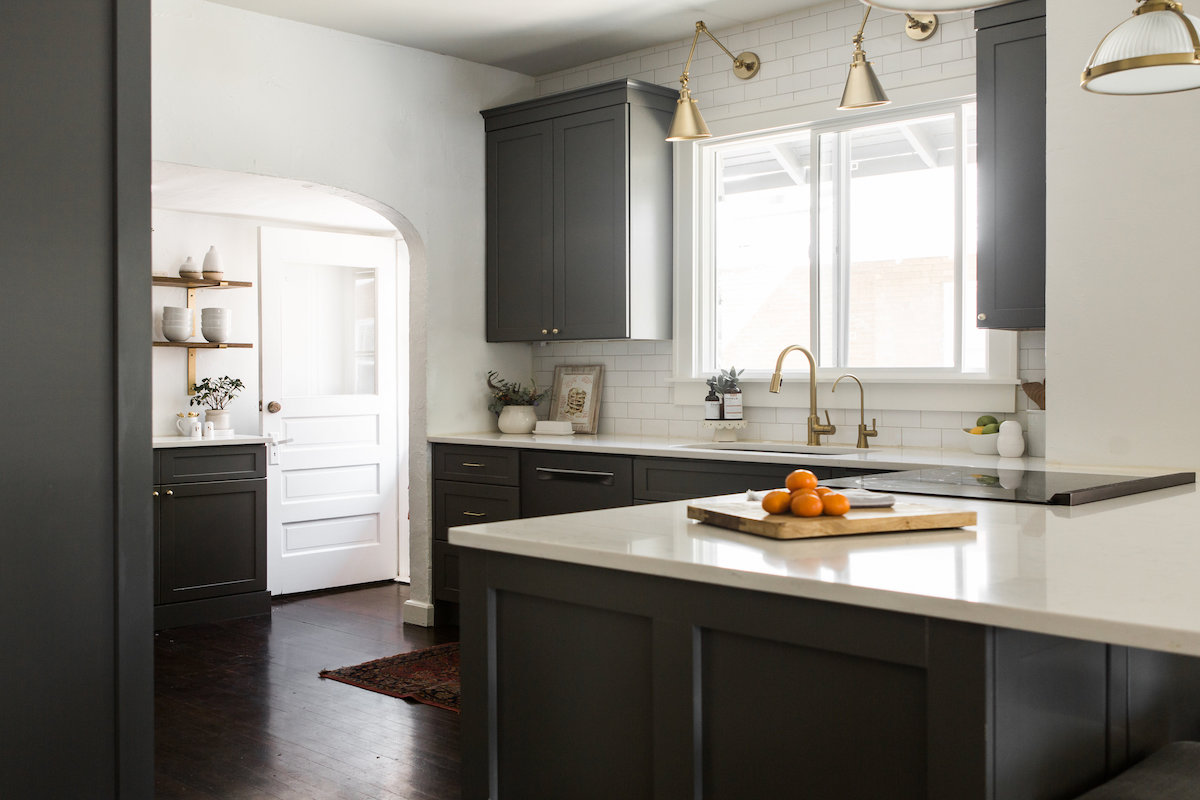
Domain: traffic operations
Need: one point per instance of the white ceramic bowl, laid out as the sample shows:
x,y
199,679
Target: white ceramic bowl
x,y
215,313
983,444
177,333
220,334
176,311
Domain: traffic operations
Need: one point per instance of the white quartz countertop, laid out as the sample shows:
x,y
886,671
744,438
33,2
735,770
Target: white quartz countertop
x,y
882,458
188,441
1122,571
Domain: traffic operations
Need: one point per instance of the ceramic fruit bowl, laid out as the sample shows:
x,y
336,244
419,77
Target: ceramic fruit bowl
x,y
982,443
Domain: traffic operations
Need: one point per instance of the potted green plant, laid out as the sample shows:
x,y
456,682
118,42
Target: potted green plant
x,y
215,394
514,403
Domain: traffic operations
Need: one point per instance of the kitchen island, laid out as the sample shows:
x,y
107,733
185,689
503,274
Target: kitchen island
x,y
634,653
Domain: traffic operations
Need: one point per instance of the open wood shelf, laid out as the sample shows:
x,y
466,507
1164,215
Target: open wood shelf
x,y
190,283
208,345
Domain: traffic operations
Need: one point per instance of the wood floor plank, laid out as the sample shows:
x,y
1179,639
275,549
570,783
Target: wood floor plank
x,y
241,714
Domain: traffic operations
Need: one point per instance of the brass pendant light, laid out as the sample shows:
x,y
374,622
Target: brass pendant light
x,y
1155,51
687,123
863,89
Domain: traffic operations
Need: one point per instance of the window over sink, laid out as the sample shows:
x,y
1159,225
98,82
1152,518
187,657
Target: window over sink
x,y
854,238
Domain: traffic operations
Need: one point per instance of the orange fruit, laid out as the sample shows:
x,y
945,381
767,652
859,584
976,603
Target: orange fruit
x,y
807,504
777,502
836,504
822,490
801,479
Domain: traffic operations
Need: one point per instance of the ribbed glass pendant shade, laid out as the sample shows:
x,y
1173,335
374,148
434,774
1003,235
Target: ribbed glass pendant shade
x,y
937,6
863,89
1155,51
687,123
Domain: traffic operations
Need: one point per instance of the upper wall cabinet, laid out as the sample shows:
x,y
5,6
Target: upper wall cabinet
x,y
579,215
1011,87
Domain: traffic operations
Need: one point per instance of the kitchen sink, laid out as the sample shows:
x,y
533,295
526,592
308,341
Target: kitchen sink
x,y
774,447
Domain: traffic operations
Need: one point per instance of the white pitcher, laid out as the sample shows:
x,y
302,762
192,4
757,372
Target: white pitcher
x,y
189,425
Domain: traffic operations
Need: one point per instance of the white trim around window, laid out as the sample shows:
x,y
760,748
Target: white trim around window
x,y
929,390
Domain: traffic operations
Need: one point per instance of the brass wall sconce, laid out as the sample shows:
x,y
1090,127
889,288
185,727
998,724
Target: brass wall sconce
x,y
863,89
688,124
1155,51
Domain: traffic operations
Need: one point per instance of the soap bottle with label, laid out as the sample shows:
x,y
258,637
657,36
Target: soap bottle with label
x,y
712,403
731,394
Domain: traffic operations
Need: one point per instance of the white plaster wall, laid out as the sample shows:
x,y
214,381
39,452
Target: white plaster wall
x,y
240,91
1122,271
178,235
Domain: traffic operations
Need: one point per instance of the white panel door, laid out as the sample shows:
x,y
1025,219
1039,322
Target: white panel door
x,y
329,391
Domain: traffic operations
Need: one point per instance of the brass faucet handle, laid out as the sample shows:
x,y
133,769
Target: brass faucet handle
x,y
864,432
829,423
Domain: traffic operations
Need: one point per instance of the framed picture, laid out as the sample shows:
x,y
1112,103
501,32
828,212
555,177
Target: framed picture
x,y
576,396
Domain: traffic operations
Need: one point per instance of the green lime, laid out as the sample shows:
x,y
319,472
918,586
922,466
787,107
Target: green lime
x,y
992,428
987,419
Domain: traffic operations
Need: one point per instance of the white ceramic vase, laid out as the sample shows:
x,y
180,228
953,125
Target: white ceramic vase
x,y
1010,443
517,419
219,418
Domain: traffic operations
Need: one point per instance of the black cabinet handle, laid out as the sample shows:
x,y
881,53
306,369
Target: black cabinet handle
x,y
550,473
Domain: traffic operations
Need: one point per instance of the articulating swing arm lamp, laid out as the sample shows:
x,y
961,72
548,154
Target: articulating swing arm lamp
x,y
688,124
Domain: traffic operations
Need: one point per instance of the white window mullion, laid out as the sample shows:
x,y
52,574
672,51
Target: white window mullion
x,y
841,311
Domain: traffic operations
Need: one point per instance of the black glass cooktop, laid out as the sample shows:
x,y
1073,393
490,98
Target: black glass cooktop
x,y
1015,485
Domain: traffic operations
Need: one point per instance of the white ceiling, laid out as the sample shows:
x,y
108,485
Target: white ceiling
x,y
534,37
209,191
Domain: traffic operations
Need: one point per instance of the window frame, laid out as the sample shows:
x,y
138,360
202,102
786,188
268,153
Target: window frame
x,y
944,388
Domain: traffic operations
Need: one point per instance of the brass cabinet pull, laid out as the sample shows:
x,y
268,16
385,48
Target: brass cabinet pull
x,y
471,464
156,492
555,331
474,514
544,331
170,493
981,317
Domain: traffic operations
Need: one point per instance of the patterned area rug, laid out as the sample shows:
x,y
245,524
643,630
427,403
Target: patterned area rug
x,y
427,676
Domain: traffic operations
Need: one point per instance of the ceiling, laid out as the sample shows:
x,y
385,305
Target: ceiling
x,y
533,37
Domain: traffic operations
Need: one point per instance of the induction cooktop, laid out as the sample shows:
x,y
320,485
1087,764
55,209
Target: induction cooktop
x,y
1014,485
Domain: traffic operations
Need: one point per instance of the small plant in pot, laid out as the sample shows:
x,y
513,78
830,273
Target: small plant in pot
x,y
514,403
215,394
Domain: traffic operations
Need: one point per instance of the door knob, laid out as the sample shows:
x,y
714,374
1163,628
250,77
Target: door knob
x,y
274,407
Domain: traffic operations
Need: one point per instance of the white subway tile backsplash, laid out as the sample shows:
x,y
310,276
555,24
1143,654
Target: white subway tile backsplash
x,y
616,348
920,437
658,394
655,427
775,432
625,394
900,419
940,419
629,363
642,379
641,348
627,427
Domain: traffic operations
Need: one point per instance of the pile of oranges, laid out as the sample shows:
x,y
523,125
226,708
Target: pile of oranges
x,y
804,498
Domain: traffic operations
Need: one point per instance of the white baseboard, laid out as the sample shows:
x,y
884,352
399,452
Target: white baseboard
x,y
418,613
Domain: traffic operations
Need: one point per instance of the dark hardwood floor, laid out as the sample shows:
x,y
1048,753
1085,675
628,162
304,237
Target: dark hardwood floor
x,y
241,713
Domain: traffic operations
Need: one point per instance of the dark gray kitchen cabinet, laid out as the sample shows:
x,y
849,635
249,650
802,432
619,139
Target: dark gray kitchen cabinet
x,y
579,215
663,479
210,534
563,483
1011,93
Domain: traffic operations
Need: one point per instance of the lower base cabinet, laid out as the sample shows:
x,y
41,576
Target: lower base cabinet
x,y
686,689
210,534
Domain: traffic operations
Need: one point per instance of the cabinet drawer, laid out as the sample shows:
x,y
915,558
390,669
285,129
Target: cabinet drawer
x,y
445,568
561,483
498,465
470,503
215,463
662,479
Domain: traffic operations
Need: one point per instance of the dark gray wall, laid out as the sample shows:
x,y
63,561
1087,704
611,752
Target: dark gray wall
x,y
76,711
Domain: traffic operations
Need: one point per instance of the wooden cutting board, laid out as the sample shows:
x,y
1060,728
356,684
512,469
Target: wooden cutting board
x,y
748,517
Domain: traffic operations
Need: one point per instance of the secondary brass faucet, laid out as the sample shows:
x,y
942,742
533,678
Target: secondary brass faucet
x,y
815,429
863,431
